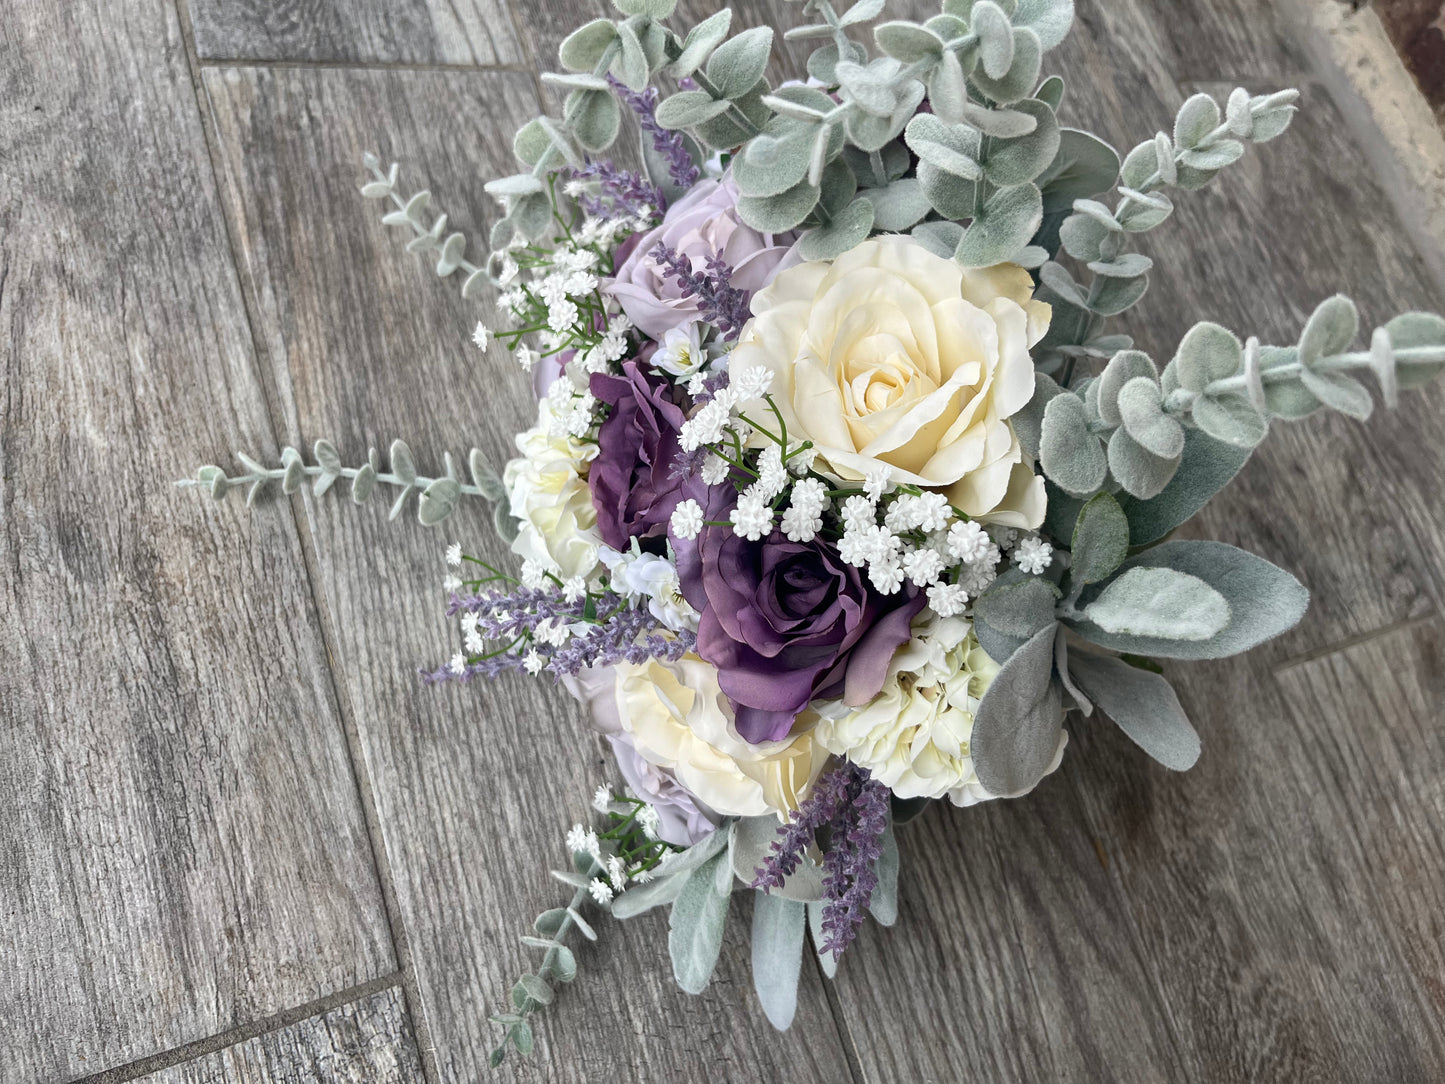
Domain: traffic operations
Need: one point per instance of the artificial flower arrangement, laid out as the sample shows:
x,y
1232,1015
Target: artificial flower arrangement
x,y
840,494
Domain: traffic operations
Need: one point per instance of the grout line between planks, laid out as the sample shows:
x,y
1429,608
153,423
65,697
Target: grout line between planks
x,y
406,974
1354,641
154,1063
284,64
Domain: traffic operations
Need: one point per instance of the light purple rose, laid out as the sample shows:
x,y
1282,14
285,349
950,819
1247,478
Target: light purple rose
x,y
703,223
681,819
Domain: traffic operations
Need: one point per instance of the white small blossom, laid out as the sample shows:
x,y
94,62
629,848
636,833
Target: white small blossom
x,y
574,588
772,475
579,284
851,549
474,642
715,470
754,383
801,524
533,662
577,838
452,583
687,520
454,555
468,620
513,299
1033,555
1005,537
458,665
932,511
727,398
801,460
534,574
859,513
877,482
811,496
574,189
601,891
697,384
649,819
880,544
508,272
555,632
887,575
561,315
706,426
968,541
902,514
481,336
976,578
617,873
591,845
601,798
923,567
681,354
643,874
947,599
751,519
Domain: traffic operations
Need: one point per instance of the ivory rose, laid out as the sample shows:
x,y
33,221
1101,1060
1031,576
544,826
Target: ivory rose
x,y
891,355
679,719
547,490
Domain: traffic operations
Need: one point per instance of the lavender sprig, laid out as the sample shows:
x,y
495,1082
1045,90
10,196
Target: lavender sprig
x,y
853,806
723,305
667,143
621,193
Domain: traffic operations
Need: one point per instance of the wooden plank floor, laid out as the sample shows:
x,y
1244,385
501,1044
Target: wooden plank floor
x,y
240,843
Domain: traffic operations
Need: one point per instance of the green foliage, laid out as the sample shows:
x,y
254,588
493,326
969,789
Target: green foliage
x,y
777,955
437,498
697,922
432,238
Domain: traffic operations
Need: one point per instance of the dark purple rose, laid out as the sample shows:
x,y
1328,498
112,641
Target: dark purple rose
x,y
634,486
785,622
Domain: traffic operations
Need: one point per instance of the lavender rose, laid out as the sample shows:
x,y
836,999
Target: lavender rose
x,y
634,486
703,223
785,622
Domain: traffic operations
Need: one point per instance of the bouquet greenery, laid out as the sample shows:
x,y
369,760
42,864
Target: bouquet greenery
x,y
841,491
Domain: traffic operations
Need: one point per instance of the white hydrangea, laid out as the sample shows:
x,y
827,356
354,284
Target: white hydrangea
x,y
914,736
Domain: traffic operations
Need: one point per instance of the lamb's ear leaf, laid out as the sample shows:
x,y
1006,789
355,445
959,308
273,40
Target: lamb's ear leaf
x,y
644,897
752,842
1264,601
883,904
777,955
1012,610
1016,729
1143,705
695,928
1160,602
1100,541
1207,466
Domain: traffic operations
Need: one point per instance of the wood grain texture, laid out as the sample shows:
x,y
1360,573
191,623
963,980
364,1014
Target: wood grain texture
x,y
181,847
462,32
476,785
364,1042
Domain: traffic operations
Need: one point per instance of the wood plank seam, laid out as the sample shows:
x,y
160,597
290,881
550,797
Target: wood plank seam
x,y
276,1022
1354,641
401,945
362,65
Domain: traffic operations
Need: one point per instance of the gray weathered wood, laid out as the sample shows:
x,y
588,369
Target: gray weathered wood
x,y
467,32
181,847
363,1042
477,785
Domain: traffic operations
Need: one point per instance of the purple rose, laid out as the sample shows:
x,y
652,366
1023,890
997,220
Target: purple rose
x,y
703,223
634,486
785,622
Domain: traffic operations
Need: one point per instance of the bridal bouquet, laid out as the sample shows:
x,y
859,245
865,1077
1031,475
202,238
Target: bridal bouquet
x,y
840,493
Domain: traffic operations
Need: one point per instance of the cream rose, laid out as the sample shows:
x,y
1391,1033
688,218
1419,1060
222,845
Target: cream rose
x,y
680,720
914,735
893,355
547,490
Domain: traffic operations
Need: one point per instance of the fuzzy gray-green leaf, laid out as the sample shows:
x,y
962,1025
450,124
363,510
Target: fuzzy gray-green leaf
x,y
1100,542
1008,221
1070,455
1016,729
1139,471
1264,601
1143,705
1205,468
777,954
696,926
736,65
1160,603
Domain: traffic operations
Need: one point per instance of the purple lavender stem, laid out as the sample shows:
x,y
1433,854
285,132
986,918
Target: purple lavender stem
x,y
722,304
668,144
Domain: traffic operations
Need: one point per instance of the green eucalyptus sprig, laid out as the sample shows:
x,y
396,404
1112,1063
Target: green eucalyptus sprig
x,y
437,497
1204,142
428,237
1130,424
